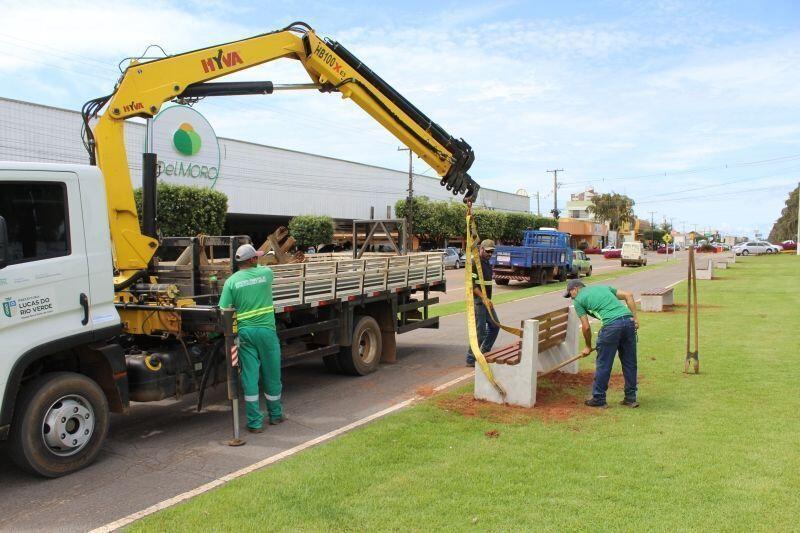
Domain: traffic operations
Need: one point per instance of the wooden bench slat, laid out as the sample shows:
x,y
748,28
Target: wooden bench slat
x,y
658,292
551,314
508,358
552,341
552,331
504,354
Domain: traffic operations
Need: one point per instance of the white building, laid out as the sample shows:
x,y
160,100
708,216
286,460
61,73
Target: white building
x,y
578,205
260,181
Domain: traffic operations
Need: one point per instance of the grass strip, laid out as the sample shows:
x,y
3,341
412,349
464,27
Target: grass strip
x,y
710,452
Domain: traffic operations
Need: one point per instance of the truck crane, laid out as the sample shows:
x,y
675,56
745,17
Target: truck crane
x,y
84,335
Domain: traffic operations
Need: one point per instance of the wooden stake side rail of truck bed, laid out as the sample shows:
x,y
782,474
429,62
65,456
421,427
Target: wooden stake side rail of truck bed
x,y
318,283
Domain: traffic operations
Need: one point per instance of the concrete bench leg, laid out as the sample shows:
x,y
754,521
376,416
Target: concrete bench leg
x,y
706,273
652,304
519,381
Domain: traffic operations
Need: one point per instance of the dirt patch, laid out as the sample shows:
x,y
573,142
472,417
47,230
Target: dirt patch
x,y
681,308
559,397
492,434
425,392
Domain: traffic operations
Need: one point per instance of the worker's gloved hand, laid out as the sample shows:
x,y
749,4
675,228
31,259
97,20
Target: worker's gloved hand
x,y
636,323
586,351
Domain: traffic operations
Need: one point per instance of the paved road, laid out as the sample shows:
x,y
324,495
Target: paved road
x,y
600,265
159,451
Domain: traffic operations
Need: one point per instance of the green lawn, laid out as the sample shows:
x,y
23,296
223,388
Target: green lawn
x,y
715,451
518,292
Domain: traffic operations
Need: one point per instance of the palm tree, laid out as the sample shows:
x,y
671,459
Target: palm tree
x,y
616,209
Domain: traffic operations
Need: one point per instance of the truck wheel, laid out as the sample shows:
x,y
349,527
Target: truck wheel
x,y
501,281
60,423
364,355
542,277
562,275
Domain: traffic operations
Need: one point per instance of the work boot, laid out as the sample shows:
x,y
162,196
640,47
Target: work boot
x,y
629,403
594,402
276,421
255,430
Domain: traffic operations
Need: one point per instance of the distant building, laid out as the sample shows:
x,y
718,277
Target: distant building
x,y
578,205
594,234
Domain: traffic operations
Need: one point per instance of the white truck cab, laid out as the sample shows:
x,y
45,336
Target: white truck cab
x,y
57,298
633,253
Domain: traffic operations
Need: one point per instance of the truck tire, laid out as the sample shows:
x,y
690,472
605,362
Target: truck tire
x,y
562,274
364,355
541,277
60,422
501,281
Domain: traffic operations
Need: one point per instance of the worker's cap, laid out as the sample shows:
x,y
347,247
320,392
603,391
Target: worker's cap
x,y
246,251
487,244
573,283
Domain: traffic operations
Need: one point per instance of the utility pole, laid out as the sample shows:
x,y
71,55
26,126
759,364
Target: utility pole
x,y
797,240
555,191
538,209
652,228
409,199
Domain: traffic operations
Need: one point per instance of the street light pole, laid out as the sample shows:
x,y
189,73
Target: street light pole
x,y
797,240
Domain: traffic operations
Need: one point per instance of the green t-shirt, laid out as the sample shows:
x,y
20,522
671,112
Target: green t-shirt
x,y
601,302
249,291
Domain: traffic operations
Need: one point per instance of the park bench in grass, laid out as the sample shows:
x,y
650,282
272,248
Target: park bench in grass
x,y
706,273
655,300
547,340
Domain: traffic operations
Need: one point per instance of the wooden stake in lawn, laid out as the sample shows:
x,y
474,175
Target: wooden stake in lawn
x,y
691,300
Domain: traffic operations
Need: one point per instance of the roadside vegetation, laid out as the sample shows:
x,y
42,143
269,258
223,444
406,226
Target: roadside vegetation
x,y
714,451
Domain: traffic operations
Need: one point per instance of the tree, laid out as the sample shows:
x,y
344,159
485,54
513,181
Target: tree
x,y
616,209
515,226
785,228
185,211
490,224
311,230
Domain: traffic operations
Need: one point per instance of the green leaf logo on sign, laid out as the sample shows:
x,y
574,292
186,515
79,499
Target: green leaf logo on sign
x,y
186,140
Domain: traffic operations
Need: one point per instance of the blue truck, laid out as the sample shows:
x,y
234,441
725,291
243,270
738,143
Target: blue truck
x,y
544,255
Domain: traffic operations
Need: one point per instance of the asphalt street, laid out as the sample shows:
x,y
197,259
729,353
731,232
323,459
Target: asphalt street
x,y
161,450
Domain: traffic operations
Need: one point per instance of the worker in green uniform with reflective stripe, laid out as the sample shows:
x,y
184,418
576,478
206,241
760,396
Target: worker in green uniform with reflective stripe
x,y
249,291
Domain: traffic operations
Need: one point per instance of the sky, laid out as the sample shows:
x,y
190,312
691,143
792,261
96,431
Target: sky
x,y
690,108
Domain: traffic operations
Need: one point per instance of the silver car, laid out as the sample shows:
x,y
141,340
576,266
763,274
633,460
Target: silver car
x,y
755,248
451,258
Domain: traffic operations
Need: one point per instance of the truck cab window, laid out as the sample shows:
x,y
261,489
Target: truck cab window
x,y
36,216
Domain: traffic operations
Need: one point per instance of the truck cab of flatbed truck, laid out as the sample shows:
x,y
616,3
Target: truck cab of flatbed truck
x,y
57,295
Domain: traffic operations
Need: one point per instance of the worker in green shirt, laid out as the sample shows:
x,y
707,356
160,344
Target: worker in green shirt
x,y
249,291
617,334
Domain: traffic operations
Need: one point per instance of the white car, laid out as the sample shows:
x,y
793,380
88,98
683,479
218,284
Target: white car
x,y
608,249
755,248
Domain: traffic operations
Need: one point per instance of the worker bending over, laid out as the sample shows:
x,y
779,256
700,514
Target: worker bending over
x,y
617,334
487,330
249,291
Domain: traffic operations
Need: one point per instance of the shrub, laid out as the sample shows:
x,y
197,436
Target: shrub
x,y
185,211
311,230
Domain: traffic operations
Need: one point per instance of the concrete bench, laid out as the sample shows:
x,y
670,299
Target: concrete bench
x,y
655,300
721,263
706,273
547,340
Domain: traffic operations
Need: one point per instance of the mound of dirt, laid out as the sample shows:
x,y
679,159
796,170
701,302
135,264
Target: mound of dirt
x,y
558,397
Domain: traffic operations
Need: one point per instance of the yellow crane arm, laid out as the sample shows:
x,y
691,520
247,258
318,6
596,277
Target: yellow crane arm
x,y
145,86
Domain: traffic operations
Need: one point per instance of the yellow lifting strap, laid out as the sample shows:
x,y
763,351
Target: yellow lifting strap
x,y
472,246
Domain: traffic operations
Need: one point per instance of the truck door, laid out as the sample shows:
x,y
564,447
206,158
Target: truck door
x,y
44,283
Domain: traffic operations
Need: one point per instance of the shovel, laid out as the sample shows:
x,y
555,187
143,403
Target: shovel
x,y
564,363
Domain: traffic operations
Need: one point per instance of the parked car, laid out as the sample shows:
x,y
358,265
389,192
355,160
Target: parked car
x,y
451,258
633,254
608,249
614,253
789,245
755,248
664,247
462,258
581,264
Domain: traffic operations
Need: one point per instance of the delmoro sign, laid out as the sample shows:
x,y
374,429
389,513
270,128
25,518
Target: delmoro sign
x,y
187,147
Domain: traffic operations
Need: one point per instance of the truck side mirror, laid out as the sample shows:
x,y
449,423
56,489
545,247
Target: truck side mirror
x,y
3,242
